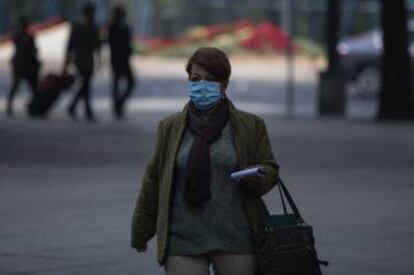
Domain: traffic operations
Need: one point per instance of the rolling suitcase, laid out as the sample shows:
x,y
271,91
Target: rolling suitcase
x,y
49,90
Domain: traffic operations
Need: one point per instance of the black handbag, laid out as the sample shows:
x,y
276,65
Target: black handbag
x,y
284,244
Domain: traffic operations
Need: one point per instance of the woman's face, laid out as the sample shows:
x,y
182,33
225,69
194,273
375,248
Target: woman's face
x,y
198,73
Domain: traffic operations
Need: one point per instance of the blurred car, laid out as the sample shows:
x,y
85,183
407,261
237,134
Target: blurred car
x,y
360,61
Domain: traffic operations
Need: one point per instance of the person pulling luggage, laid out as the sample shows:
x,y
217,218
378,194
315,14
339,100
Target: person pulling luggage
x,y
25,63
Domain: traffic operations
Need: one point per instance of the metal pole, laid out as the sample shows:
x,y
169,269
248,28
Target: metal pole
x,y
287,18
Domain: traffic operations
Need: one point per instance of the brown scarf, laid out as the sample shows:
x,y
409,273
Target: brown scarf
x,y
205,132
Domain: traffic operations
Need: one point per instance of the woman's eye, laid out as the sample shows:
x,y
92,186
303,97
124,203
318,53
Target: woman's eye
x,y
195,79
211,78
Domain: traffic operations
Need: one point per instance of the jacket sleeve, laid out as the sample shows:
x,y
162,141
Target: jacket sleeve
x,y
265,159
146,208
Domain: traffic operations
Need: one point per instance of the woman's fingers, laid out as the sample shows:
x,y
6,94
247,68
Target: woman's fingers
x,y
251,184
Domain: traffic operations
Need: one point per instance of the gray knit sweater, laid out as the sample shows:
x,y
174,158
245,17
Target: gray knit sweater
x,y
221,224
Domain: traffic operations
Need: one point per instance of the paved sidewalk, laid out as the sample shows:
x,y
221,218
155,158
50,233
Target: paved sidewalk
x,y
67,192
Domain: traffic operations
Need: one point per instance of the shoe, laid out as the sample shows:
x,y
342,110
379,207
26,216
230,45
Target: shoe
x,y
9,111
91,118
119,115
72,115
117,112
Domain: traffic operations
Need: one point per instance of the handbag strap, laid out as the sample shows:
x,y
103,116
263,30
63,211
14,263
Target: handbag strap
x,y
282,199
285,192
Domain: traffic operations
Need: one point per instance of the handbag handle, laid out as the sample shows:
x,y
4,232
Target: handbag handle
x,y
283,191
282,199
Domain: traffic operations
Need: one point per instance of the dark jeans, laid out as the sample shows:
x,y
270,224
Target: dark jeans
x,y
32,80
84,93
119,97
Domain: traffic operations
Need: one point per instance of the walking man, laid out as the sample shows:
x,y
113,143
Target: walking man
x,y
83,47
120,44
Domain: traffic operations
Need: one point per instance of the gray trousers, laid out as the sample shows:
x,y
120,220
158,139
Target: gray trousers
x,y
223,264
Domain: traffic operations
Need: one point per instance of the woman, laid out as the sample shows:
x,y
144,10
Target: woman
x,y
187,198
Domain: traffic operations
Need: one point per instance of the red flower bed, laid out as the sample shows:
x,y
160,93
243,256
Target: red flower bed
x,y
266,36
247,35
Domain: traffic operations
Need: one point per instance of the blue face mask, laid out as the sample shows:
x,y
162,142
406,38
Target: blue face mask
x,y
204,94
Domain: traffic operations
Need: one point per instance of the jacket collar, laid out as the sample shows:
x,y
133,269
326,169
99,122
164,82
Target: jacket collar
x,y
232,109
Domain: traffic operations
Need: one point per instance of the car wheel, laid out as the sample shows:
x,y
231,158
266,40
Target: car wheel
x,y
367,82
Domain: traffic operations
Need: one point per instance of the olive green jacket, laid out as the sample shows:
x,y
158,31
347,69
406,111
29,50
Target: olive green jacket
x,y
151,214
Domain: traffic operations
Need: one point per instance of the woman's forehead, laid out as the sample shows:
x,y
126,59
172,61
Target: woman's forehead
x,y
197,69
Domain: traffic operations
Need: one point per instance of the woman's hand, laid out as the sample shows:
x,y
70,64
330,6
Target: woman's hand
x,y
252,184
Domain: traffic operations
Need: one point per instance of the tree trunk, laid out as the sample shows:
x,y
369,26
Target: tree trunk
x,y
332,30
396,96
331,82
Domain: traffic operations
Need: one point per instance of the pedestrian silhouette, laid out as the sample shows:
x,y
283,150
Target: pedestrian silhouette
x,y
119,39
25,63
83,47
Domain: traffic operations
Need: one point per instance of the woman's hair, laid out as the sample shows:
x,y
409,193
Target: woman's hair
x,y
213,60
